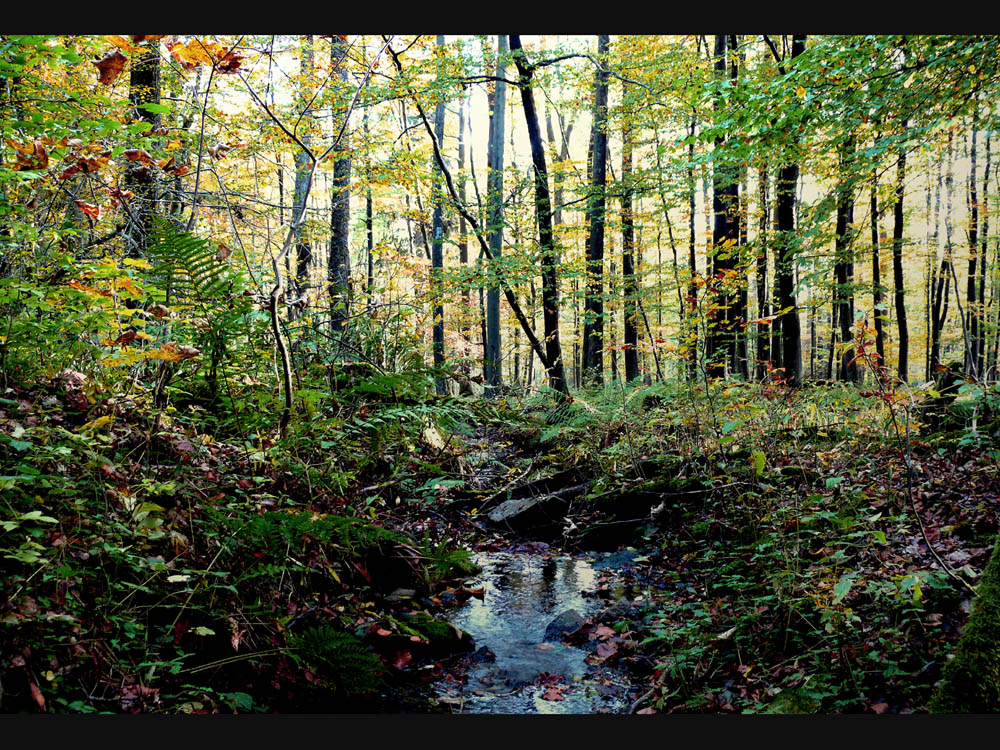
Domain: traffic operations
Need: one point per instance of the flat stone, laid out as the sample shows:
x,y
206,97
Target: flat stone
x,y
566,623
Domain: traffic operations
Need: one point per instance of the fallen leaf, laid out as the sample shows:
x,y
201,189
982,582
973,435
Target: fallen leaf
x,y
554,693
402,659
880,708
607,650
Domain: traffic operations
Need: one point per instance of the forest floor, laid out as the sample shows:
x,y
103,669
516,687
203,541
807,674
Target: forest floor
x,y
757,564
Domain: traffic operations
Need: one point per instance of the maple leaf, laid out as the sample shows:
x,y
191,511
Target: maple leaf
x,y
146,37
110,67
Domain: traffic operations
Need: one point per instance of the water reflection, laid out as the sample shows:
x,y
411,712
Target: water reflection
x,y
522,594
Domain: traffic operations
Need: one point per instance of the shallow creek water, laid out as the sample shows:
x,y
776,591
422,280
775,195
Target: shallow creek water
x,y
523,593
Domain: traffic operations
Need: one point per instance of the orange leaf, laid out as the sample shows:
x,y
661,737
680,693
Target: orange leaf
x,y
29,156
94,212
140,155
36,695
110,67
146,37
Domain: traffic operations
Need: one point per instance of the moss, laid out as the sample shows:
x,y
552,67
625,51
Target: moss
x,y
971,681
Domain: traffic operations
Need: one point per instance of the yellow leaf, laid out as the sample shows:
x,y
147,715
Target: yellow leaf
x,y
97,423
801,92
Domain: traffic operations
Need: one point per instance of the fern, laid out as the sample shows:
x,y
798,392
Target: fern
x,y
187,266
340,660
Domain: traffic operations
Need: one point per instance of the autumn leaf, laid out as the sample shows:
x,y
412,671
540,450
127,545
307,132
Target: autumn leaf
x,y
146,37
36,695
140,155
402,659
29,156
223,252
176,352
199,52
110,67
94,212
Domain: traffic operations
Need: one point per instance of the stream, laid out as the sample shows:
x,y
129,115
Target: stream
x,y
516,668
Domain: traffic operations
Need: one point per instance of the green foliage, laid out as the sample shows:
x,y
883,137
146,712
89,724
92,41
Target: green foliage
x,y
339,660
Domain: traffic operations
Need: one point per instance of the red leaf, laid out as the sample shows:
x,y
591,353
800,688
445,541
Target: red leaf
x,y
554,693
606,650
402,659
94,212
880,708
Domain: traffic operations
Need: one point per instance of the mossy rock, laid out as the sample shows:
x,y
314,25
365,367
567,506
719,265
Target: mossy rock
x,y
971,680
442,637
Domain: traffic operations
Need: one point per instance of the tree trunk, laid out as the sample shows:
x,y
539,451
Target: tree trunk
x,y
791,336
593,322
763,308
844,267
144,88
629,283
899,290
492,367
543,213
303,250
437,250
338,268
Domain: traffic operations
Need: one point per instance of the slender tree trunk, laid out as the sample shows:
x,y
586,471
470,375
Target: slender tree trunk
x,y
303,250
144,88
629,280
692,300
543,213
593,323
463,242
785,248
763,308
899,290
338,268
437,251
844,267
972,317
983,255
492,367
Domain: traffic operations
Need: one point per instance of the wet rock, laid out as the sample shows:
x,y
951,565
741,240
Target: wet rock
x,y
566,623
534,516
620,610
401,594
442,637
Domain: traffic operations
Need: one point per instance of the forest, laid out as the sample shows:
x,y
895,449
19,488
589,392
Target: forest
x,y
499,374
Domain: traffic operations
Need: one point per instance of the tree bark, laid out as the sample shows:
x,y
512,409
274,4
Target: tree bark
x,y
492,367
593,322
339,261
543,213
844,266
144,88
791,336
899,291
437,251
629,282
